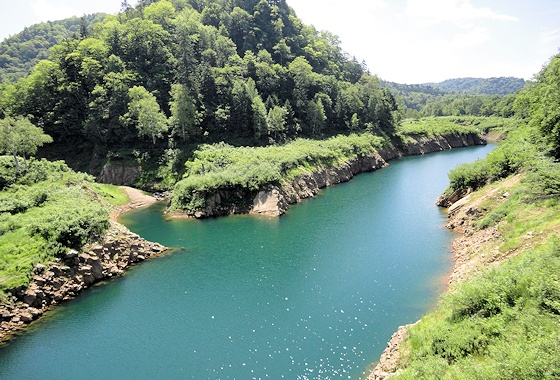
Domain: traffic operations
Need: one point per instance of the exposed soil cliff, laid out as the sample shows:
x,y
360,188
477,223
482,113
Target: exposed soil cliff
x,y
119,174
275,200
65,278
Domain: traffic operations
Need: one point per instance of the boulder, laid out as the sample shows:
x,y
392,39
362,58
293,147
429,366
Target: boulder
x,y
39,268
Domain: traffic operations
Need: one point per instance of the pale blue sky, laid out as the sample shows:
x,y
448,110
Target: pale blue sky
x,y
406,41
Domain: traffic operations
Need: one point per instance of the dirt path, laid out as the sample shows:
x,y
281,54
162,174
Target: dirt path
x,y
138,199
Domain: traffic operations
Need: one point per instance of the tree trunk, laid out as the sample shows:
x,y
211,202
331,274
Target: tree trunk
x,y
17,163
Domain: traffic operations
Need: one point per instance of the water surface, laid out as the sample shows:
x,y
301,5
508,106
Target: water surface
x,y
315,294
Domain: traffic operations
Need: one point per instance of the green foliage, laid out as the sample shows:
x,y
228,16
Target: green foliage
x,y
214,69
110,194
19,53
144,112
540,102
431,126
439,99
476,86
520,151
502,323
44,210
19,136
222,166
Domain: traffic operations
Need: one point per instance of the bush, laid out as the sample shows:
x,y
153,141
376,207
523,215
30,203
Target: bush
x,y
221,166
521,151
44,211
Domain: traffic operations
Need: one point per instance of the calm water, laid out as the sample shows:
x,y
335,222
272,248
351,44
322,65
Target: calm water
x,y
313,295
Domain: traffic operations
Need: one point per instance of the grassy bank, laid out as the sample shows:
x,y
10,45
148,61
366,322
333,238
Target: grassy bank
x,y
503,321
221,166
445,125
45,210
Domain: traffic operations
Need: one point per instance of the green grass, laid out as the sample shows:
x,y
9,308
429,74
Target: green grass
x,y
521,151
503,323
111,194
445,125
44,211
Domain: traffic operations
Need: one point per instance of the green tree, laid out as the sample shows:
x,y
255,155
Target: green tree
x,y
276,120
145,113
19,136
316,116
161,12
184,117
542,103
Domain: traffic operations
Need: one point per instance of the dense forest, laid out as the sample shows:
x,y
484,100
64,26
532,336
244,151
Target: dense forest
x,y
170,73
421,100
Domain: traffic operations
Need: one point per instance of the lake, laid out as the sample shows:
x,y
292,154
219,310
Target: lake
x,y
315,294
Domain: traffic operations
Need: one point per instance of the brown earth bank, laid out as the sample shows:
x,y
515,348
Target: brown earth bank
x,y
275,200
473,250
64,278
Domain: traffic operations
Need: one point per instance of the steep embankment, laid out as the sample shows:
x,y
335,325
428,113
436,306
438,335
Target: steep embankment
x,y
275,198
63,279
497,284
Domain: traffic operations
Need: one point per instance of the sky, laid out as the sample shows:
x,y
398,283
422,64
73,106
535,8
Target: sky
x,y
404,41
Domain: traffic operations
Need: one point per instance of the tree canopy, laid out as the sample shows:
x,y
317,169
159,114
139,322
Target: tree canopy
x,y
18,136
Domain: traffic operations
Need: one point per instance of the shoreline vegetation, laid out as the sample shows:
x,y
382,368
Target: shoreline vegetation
x,y
222,180
54,279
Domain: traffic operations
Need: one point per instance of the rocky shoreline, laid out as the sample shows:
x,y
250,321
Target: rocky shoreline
x,y
275,200
65,278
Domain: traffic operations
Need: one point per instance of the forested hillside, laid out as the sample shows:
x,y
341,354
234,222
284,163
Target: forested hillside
x,y
169,73
421,100
481,86
21,52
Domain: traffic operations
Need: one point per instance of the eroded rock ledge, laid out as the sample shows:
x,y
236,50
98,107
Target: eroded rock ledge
x,y
65,278
274,200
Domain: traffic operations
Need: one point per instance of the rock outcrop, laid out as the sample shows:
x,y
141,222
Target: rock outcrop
x,y
119,174
65,278
388,363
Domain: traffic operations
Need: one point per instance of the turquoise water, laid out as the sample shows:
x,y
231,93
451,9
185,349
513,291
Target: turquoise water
x,y
315,294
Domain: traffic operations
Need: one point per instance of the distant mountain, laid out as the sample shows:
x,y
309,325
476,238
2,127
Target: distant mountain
x,y
21,52
457,97
481,86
